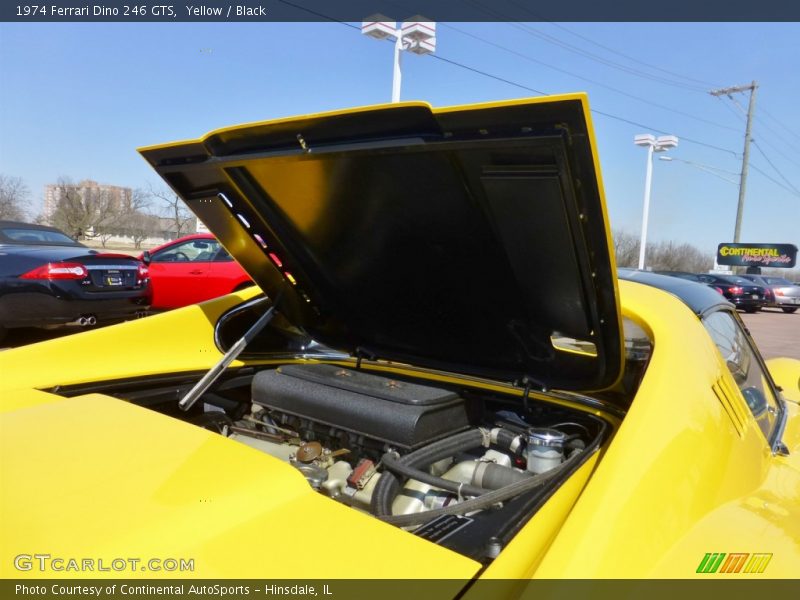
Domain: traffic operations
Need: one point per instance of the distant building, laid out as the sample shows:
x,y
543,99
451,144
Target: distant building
x,y
120,197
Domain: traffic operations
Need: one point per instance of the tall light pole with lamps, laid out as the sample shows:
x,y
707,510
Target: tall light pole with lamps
x,y
417,35
653,144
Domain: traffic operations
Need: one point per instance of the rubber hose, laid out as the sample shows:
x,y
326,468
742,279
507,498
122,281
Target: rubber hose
x,y
394,465
507,438
481,502
388,485
491,476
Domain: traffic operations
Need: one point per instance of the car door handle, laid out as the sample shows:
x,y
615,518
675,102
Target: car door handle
x,y
196,272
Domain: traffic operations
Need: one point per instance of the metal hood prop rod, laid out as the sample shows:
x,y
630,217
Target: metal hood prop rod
x,y
218,369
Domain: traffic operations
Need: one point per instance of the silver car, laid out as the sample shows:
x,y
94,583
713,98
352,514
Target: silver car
x,y
785,295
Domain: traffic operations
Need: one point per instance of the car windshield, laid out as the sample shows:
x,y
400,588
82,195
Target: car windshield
x,y
37,236
777,281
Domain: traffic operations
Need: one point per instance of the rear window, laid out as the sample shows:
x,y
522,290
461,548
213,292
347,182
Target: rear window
x,y
777,281
37,236
736,280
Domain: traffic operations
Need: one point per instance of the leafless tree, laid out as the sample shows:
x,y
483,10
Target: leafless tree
x,y
13,196
174,209
73,214
661,256
117,217
626,249
141,226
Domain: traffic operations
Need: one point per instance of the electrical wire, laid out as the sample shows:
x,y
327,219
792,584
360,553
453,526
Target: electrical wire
x,y
773,180
772,164
575,49
496,77
766,141
631,58
592,81
525,87
779,122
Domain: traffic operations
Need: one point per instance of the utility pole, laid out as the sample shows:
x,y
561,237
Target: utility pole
x,y
752,87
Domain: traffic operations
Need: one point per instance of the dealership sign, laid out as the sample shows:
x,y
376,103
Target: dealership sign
x,y
757,255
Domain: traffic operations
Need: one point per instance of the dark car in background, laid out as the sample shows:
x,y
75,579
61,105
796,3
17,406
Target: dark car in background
x,y
48,280
784,294
743,293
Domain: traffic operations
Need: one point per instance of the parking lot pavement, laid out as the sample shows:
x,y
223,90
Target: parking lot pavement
x,y
776,333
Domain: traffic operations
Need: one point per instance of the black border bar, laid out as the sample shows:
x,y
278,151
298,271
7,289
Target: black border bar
x,y
139,11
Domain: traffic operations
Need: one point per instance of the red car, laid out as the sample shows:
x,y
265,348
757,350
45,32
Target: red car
x,y
192,269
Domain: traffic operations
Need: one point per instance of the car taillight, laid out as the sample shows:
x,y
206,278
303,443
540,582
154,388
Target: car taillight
x,y
779,292
143,272
736,291
719,290
59,270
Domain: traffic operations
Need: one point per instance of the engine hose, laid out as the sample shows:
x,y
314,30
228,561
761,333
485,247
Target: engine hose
x,y
507,439
480,502
391,463
388,485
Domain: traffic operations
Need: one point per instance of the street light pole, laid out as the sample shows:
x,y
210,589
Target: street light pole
x,y
653,144
417,35
648,180
397,76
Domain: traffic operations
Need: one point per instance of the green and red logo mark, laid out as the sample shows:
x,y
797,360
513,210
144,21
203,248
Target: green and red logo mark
x,y
736,562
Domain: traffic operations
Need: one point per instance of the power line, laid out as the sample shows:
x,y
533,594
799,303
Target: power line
x,y
631,58
771,164
765,125
484,73
610,63
585,53
522,86
594,110
779,122
775,181
593,81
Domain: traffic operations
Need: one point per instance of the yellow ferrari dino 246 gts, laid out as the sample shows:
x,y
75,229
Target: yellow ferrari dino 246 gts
x,y
440,375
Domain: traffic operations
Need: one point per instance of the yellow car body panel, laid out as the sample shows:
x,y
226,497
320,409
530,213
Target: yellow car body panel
x,y
173,490
679,476
678,481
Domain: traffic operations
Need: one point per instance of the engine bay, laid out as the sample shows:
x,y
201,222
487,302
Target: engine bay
x,y
459,468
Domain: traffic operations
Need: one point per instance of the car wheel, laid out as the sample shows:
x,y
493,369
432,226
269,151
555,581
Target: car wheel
x,y
3,332
786,309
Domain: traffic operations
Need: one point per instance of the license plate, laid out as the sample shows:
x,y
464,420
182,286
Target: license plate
x,y
113,278
754,296
795,300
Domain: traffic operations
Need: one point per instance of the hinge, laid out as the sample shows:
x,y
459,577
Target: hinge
x,y
361,353
528,382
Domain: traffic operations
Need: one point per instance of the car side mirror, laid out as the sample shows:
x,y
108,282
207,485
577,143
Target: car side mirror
x,y
146,258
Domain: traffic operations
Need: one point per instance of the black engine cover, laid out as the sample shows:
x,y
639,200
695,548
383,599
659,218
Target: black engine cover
x,y
405,415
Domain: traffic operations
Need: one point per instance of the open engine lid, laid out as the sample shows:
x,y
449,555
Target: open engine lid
x,y
471,239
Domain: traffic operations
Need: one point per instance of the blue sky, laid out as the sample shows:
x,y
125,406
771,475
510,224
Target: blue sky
x,y
76,100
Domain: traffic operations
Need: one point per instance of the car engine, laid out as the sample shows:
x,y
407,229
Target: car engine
x,y
448,466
